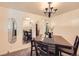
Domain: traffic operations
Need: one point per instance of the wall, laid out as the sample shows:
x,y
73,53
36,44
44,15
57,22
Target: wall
x,y
67,25
3,31
20,16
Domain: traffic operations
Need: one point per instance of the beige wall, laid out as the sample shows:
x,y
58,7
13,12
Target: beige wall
x,y
67,25
5,15
3,31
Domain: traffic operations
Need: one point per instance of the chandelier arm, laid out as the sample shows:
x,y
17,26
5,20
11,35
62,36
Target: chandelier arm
x,y
49,10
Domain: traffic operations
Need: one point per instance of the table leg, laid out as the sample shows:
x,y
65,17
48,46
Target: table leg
x,y
56,51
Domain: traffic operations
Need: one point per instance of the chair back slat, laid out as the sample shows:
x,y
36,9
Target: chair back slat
x,y
76,39
75,47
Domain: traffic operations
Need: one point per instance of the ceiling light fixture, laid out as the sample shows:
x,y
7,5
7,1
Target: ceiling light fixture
x,y
48,11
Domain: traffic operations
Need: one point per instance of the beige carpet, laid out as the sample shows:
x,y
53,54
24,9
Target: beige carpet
x,y
24,52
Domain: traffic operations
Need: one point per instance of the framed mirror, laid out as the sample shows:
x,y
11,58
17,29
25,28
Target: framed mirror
x,y
27,30
12,30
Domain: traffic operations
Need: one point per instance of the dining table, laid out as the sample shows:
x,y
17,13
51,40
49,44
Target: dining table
x,y
58,41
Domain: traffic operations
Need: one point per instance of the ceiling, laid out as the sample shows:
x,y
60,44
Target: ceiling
x,y
38,7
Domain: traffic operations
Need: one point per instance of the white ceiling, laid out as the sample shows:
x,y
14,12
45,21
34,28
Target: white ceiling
x,y
38,7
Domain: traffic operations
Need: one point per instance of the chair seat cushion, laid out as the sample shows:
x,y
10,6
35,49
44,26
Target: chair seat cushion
x,y
68,51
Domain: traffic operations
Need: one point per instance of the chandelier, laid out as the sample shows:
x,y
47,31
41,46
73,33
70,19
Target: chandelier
x,y
50,10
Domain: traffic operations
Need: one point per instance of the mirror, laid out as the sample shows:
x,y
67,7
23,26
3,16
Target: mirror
x,y
12,30
27,30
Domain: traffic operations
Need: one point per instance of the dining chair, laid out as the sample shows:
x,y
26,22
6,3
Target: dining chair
x,y
72,51
33,47
45,49
42,49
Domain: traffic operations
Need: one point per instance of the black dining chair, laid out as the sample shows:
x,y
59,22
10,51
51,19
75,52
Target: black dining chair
x,y
42,49
33,48
45,49
72,51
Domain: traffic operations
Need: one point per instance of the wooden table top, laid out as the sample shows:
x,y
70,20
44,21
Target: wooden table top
x,y
57,40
